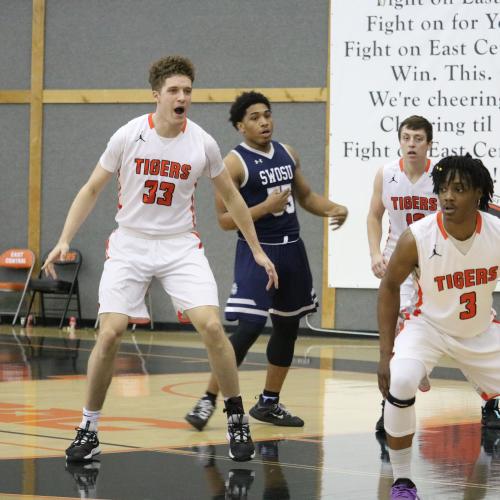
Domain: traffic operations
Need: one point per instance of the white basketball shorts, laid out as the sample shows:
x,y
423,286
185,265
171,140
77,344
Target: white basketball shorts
x,y
477,357
133,260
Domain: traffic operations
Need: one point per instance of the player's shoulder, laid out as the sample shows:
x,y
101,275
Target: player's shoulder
x,y
491,220
392,166
194,128
425,224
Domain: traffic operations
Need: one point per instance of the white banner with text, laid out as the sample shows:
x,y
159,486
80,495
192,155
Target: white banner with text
x,y
390,59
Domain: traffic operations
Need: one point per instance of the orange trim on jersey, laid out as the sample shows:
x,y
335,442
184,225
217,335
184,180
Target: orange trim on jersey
x,y
441,225
427,165
479,222
420,301
150,121
197,234
184,125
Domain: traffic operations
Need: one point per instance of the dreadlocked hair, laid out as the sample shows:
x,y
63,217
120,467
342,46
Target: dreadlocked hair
x,y
472,173
243,102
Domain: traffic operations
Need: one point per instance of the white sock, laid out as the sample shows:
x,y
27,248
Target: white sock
x,y
92,417
401,463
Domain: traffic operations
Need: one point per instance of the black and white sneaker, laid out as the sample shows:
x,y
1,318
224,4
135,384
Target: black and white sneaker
x,y
273,412
241,447
490,414
84,447
198,417
85,476
238,483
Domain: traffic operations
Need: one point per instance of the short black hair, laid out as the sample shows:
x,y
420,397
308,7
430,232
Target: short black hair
x,y
416,122
470,170
243,102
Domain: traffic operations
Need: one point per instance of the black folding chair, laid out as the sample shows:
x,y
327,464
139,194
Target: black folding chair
x,y
63,293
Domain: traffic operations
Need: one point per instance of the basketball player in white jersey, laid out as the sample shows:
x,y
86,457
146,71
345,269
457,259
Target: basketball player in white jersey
x,y
158,159
404,189
455,256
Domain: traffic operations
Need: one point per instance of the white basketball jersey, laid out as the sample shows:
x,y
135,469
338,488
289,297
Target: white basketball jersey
x,y
456,290
157,176
405,201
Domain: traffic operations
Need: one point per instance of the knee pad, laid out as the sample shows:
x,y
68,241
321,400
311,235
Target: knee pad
x,y
400,403
281,345
244,337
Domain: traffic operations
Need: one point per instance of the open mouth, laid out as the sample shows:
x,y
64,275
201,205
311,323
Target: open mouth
x,y
179,110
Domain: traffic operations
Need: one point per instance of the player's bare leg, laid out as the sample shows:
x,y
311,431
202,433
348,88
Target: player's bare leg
x,y
223,363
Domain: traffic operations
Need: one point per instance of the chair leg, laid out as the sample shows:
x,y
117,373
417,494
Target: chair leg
x,y
70,294
77,292
30,305
42,308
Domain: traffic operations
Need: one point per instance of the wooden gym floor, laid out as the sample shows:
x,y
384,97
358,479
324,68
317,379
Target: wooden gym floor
x,y
150,452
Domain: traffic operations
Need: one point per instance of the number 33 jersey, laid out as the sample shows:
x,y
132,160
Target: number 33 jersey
x,y
456,289
157,176
405,201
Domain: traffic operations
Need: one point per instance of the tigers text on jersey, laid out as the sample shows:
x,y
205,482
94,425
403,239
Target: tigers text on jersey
x,y
405,201
157,176
456,290
264,173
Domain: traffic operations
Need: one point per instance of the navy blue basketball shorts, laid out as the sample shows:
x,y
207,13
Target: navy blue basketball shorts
x,y
295,297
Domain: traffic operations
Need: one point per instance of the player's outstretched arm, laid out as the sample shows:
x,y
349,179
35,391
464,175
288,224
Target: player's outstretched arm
x,y
239,212
374,227
403,261
80,208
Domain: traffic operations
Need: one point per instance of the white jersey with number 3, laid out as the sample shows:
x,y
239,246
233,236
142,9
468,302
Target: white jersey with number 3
x,y
456,290
405,201
157,176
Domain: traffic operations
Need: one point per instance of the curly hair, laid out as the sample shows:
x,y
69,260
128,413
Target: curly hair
x,y
416,122
472,173
169,66
243,102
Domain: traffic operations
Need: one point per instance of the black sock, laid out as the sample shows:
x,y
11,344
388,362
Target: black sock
x,y
270,395
211,397
234,405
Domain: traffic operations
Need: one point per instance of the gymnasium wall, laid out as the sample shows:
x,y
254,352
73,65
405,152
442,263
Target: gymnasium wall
x,y
109,44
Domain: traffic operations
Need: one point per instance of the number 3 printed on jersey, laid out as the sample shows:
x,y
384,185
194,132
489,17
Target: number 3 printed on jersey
x,y
290,205
469,300
161,196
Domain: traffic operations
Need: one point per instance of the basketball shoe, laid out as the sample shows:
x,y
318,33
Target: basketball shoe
x,y
273,412
84,446
198,417
404,488
241,447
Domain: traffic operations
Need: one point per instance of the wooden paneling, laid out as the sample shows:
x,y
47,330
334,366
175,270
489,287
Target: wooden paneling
x,y
15,96
36,125
110,96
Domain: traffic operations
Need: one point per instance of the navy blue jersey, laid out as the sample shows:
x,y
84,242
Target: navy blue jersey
x,y
264,173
